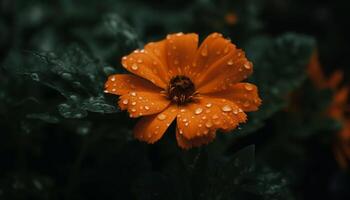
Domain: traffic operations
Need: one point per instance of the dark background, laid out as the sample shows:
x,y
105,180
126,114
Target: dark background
x,y
62,138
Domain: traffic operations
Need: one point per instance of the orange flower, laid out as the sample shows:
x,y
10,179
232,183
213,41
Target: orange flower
x,y
197,86
342,146
317,76
337,109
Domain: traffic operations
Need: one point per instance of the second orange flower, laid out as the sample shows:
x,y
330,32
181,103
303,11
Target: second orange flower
x,y
199,87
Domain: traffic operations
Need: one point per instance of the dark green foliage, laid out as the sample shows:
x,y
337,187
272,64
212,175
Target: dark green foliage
x,y
62,137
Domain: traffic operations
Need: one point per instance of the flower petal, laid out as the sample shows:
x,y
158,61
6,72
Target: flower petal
x,y
143,103
146,65
338,105
230,69
185,143
151,128
121,84
244,95
208,114
181,49
212,49
315,71
336,78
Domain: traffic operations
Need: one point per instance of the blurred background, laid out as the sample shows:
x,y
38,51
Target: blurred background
x,y
61,137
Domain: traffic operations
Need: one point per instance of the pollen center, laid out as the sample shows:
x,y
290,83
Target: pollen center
x,y
181,90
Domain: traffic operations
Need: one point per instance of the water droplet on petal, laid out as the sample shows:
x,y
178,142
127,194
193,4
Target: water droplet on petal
x,y
134,67
226,49
246,104
125,101
161,116
204,51
248,87
133,110
113,78
147,107
247,66
209,105
230,62
198,111
133,94
208,124
226,108
133,103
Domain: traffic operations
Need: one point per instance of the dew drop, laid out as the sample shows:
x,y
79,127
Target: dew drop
x,y
248,87
247,66
161,116
204,51
226,108
147,107
134,67
198,111
226,49
230,62
139,61
133,94
113,78
246,104
208,105
125,101
133,103
133,110
208,124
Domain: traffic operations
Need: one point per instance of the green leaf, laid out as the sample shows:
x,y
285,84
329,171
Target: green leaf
x,y
77,77
279,69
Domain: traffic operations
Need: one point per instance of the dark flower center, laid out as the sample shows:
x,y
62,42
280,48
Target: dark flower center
x,y
181,90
